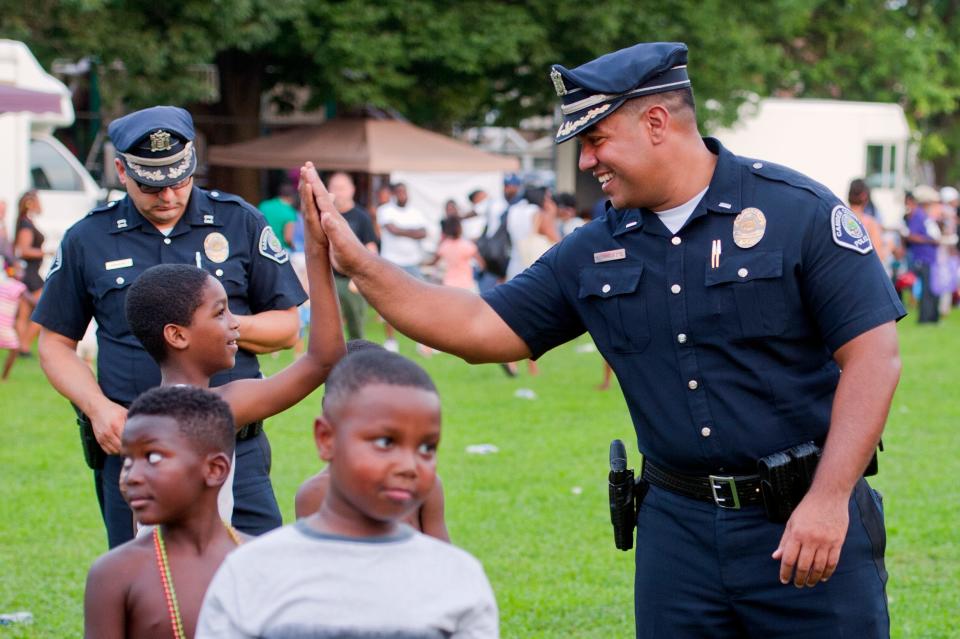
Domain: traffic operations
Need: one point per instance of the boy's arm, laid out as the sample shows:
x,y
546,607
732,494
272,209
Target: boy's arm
x,y
431,514
104,601
310,495
255,399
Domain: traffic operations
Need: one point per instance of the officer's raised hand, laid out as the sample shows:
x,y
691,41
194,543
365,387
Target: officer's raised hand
x,y
346,251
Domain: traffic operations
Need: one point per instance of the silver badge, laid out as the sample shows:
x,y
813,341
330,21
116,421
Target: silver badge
x,y
160,141
558,85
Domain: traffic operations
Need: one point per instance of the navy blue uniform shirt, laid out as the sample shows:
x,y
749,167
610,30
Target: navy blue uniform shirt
x,y
102,254
722,360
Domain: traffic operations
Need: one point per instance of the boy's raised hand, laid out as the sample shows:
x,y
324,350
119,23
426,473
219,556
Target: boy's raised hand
x,y
313,195
346,251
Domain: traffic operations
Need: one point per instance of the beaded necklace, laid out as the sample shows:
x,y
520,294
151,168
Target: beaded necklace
x,y
173,607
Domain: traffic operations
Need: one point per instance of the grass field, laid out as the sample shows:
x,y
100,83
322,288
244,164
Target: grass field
x,y
535,513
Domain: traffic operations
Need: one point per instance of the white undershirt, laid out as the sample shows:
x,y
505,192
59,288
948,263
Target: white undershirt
x,y
675,218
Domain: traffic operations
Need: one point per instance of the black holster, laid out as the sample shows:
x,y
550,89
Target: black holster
x,y
626,495
92,453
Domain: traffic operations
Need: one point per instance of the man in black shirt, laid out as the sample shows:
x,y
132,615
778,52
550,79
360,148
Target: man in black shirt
x,y
352,304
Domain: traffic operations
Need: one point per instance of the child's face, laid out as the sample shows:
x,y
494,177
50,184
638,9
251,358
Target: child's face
x,y
382,445
162,473
213,329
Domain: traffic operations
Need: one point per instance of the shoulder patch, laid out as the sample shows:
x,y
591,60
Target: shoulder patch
x,y
848,232
57,261
271,248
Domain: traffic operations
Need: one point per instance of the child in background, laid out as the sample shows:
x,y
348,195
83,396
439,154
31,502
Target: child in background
x,y
181,316
12,293
354,569
177,445
456,255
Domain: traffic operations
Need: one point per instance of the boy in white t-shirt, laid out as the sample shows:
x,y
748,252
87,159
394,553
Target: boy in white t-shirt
x,y
353,569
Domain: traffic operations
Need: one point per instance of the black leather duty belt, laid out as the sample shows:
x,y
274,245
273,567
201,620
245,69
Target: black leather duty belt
x,y
726,491
250,431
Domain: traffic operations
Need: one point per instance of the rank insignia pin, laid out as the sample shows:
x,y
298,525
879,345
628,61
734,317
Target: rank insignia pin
x,y
749,227
558,83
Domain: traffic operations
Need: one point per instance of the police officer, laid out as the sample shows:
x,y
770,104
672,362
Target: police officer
x,y
164,218
728,294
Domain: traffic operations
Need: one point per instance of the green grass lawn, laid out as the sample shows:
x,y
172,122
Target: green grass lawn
x,y
535,513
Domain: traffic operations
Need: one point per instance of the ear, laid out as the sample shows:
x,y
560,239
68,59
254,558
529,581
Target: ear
x,y
121,171
324,435
216,468
176,336
656,120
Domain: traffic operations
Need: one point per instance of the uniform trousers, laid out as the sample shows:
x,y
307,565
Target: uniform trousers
x,y
255,509
703,572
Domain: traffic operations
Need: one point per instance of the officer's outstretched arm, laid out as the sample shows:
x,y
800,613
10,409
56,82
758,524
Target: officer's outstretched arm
x,y
449,319
73,379
269,331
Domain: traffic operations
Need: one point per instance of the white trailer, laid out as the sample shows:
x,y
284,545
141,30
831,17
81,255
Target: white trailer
x,y
832,141
32,105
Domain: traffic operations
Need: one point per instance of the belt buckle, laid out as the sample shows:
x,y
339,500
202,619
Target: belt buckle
x,y
725,480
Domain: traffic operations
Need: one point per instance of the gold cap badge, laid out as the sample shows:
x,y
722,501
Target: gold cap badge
x,y
160,141
749,227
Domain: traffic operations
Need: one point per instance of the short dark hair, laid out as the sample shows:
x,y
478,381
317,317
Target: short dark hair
x,y
858,188
566,200
163,294
451,227
473,195
202,417
536,195
674,101
368,366
360,344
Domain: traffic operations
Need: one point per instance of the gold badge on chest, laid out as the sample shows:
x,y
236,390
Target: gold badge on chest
x,y
216,247
749,227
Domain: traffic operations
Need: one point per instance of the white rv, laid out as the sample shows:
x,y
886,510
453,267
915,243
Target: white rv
x,y
832,141
32,105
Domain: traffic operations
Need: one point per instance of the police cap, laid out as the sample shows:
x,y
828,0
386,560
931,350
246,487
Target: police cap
x,y
596,89
156,145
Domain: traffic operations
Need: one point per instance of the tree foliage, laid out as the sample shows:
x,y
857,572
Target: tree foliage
x,y
445,64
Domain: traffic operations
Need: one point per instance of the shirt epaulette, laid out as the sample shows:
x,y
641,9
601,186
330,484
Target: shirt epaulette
x,y
780,173
103,208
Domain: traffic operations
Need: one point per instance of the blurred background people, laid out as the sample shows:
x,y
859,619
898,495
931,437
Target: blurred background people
x,y
28,247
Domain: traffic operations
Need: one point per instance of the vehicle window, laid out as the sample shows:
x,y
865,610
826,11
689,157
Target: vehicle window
x,y
50,171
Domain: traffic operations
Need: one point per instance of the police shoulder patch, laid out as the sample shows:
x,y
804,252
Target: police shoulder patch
x,y
847,231
271,248
57,261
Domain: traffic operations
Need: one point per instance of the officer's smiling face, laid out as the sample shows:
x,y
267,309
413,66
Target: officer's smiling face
x,y
163,209
617,150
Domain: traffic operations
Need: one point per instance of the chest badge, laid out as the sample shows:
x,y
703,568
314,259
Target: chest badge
x,y
216,247
749,227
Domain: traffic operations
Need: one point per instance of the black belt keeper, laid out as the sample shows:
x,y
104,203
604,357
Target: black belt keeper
x,y
725,491
250,431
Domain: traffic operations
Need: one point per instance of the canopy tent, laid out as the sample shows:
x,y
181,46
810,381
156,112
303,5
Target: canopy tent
x,y
361,144
18,100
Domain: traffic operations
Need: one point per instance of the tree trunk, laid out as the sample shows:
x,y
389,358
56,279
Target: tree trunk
x,y
235,118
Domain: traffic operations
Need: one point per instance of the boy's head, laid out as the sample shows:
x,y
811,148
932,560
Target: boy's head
x,y
176,445
379,432
451,227
173,307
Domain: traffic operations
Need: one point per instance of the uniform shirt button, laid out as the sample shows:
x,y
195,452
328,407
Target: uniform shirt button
x,y
758,165
217,193
682,338
743,272
219,272
692,384
167,240
705,431
675,289
120,280
605,288
675,240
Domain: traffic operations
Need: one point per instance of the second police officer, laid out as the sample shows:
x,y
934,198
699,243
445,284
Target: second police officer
x,y
728,294
165,218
